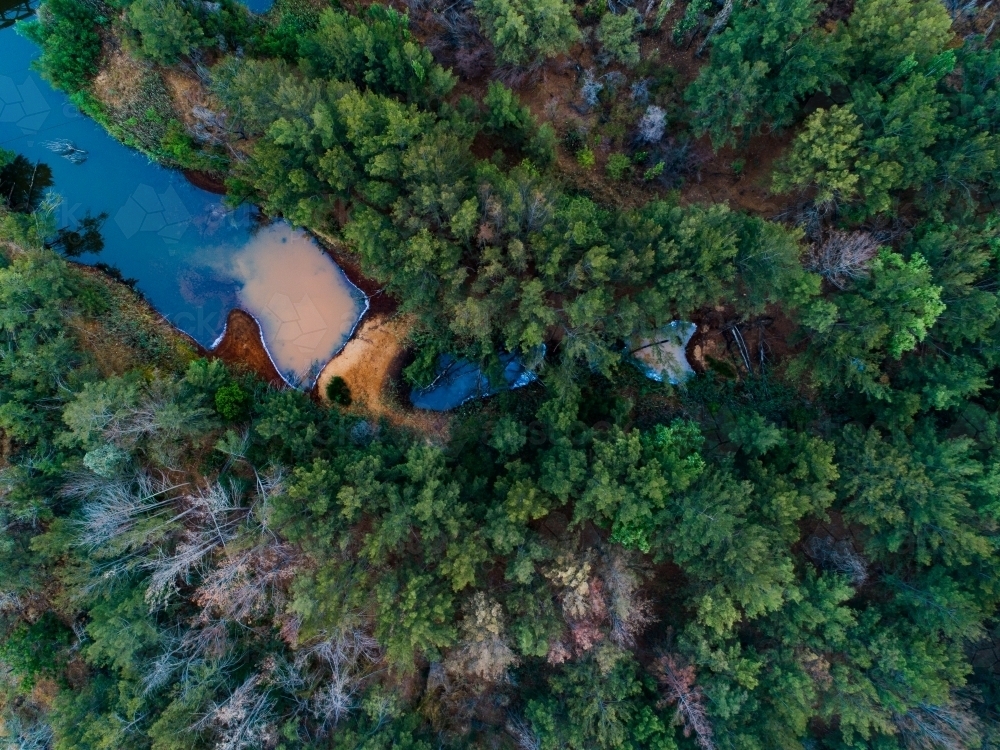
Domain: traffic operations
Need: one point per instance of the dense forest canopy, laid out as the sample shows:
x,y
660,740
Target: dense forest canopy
x,y
795,548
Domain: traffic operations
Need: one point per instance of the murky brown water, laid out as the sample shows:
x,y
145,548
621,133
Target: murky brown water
x,y
305,305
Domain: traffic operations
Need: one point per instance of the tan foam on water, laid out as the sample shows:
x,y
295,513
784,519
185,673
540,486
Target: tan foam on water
x,y
303,302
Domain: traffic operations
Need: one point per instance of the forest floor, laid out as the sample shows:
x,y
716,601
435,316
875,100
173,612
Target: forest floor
x,y
131,331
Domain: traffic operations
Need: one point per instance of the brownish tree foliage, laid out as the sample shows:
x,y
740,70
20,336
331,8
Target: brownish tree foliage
x,y
679,688
842,256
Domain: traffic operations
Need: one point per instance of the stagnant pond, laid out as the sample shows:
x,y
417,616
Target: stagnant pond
x,y
193,259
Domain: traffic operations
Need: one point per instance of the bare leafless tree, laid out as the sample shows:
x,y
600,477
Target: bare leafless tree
x,y
949,727
629,612
25,733
960,10
10,602
454,35
484,651
158,412
117,511
244,720
340,663
842,257
209,640
249,583
718,24
212,515
652,125
523,735
840,557
678,682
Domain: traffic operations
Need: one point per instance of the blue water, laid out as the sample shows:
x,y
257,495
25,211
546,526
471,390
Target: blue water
x,y
258,6
459,380
174,238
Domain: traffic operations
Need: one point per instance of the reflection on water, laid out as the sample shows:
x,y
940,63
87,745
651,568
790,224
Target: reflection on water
x,y
664,356
192,257
459,380
12,11
23,183
305,305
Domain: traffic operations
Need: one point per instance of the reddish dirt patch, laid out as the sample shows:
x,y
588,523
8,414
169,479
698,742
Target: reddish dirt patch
x,y
766,341
242,348
208,182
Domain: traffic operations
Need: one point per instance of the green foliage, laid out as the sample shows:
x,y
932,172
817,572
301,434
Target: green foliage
x,y
231,401
34,289
178,147
690,22
375,51
654,171
23,184
289,22
600,703
414,618
617,33
632,478
166,28
337,391
525,32
901,129
67,32
803,537
618,167
507,117
888,315
884,33
823,155
38,649
769,58
877,146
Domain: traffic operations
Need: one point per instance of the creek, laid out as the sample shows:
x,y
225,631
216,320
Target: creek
x,y
193,258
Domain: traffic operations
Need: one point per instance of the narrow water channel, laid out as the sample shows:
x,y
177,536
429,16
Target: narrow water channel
x,y
193,259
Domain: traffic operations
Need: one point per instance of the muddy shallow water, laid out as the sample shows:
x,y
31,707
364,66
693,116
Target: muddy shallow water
x,y
306,307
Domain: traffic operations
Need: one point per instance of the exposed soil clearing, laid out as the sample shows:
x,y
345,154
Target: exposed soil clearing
x,y
370,365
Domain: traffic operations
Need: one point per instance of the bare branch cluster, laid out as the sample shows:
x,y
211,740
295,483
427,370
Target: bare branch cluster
x,y
840,557
630,613
949,727
455,37
842,257
244,720
597,604
26,734
248,584
678,683
524,737
338,664
653,124
118,511
212,516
